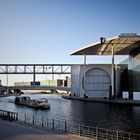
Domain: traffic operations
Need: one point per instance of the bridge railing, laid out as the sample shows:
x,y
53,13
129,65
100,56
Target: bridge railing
x,y
78,129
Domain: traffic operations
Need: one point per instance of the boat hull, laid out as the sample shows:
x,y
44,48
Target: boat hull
x,y
32,103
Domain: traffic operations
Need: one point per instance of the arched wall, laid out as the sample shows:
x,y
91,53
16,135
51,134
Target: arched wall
x,y
97,82
91,80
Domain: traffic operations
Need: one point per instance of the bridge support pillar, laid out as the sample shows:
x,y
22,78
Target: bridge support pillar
x,y
34,80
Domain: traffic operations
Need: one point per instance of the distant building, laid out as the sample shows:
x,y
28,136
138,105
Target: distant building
x,y
64,82
26,83
60,82
22,83
48,83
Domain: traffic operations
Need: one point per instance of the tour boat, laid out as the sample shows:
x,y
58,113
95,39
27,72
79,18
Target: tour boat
x,y
41,103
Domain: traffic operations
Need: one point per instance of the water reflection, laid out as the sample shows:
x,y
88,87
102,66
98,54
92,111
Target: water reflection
x,y
125,118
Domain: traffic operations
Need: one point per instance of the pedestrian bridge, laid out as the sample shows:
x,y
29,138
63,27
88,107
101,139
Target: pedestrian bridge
x,y
35,87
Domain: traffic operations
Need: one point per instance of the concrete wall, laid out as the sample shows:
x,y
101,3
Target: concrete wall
x,y
75,76
78,74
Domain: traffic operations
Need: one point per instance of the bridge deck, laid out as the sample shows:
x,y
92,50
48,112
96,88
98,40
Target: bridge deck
x,y
35,88
35,68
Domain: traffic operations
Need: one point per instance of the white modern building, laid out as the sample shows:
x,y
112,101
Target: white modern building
x,y
108,80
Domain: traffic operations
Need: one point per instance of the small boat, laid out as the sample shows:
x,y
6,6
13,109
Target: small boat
x,y
41,103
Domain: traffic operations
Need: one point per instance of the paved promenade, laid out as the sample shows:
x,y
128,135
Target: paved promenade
x,y
10,130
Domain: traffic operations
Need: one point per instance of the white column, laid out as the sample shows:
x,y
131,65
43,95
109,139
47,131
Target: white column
x,y
112,81
84,73
7,79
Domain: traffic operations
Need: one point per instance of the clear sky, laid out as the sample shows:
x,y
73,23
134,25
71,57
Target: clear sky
x,y
47,31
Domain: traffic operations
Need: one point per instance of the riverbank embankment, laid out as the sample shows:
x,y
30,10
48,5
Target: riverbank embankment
x,y
104,100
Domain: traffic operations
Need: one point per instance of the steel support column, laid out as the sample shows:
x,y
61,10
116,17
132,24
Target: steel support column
x,y
7,80
34,80
113,72
85,74
6,70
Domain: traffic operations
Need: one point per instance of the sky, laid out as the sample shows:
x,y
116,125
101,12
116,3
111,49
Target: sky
x,y
47,31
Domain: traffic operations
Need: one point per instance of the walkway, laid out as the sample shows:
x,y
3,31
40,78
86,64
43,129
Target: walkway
x,y
10,130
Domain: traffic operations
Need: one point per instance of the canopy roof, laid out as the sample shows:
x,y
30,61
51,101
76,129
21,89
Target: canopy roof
x,y
123,45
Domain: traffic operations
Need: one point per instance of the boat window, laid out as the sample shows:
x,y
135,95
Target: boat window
x,y
17,99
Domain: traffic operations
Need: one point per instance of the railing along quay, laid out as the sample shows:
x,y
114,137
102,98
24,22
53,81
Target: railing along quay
x,y
8,115
72,128
78,129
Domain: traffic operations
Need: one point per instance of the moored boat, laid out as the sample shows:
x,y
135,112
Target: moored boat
x,y
41,103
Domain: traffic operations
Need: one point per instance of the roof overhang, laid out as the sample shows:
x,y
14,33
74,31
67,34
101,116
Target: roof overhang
x,y
123,45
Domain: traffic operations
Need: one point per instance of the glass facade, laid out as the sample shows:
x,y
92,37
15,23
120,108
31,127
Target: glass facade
x,y
124,82
134,73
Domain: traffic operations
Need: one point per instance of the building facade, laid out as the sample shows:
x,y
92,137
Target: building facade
x,y
97,80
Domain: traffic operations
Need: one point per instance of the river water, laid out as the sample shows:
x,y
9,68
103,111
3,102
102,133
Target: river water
x,y
124,118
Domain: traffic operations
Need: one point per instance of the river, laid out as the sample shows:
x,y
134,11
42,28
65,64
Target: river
x,y
124,118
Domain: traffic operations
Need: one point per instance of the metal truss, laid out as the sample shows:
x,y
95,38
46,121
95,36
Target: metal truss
x,y
35,69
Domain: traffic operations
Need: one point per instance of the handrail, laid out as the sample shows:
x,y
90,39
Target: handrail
x,y
73,128
8,115
78,129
